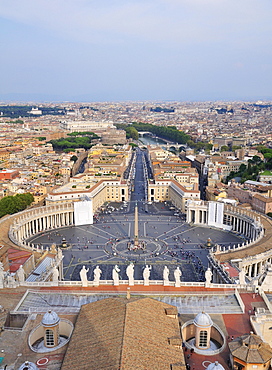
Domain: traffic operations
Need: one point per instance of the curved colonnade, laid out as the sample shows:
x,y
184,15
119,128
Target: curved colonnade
x,y
244,222
30,222
252,254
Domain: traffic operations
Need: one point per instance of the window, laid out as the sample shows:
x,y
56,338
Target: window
x,y
203,336
49,338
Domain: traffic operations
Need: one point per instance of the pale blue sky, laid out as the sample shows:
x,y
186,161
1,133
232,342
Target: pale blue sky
x,y
96,50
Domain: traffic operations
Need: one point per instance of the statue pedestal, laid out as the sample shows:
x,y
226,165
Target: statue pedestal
x,y
177,284
146,282
166,282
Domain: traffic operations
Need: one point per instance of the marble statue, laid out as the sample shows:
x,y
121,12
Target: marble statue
x,y
59,254
115,275
53,248
55,274
242,279
208,276
146,274
166,275
97,274
2,276
21,274
83,276
177,275
130,273
11,283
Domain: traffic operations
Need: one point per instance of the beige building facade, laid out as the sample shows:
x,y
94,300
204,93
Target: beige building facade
x,y
162,190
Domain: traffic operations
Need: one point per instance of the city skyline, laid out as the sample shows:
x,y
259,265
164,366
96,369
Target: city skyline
x,y
135,51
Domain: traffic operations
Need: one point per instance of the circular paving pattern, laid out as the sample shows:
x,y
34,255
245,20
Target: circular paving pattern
x,y
147,247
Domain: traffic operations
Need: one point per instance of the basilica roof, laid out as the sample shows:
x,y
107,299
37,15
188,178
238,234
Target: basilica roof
x,y
124,333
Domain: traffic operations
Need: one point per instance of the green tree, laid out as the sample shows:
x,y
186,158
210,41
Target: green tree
x,y
242,168
224,148
74,158
132,133
133,145
13,204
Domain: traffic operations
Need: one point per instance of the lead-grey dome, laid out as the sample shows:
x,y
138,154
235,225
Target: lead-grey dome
x,y
203,320
50,318
28,366
215,366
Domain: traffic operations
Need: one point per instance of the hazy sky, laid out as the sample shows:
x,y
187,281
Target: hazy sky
x,y
96,50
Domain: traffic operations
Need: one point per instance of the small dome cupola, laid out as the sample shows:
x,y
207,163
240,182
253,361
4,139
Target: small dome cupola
x,y
203,324
50,323
203,320
50,318
215,366
28,366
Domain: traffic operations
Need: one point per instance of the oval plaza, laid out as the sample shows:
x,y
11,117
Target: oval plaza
x,y
154,249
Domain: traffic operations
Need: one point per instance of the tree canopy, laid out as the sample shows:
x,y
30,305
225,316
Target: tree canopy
x,y
74,158
132,133
249,171
77,140
166,132
14,204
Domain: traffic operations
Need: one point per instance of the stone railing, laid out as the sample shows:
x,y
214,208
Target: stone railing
x,y
140,283
266,300
255,259
240,301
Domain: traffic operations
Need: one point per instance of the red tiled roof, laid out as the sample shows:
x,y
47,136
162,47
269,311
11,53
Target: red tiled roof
x,y
16,258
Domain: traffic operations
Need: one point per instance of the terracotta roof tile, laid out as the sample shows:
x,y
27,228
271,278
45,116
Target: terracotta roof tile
x,y
117,333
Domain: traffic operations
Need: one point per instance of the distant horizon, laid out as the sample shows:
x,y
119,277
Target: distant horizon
x,y
150,101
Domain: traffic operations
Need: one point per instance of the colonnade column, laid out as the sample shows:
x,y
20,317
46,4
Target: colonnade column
x,y
255,269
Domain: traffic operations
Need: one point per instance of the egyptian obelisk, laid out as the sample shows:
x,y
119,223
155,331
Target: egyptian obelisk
x,y
136,229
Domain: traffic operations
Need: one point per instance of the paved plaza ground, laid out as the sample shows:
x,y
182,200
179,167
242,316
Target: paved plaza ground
x,y
169,241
